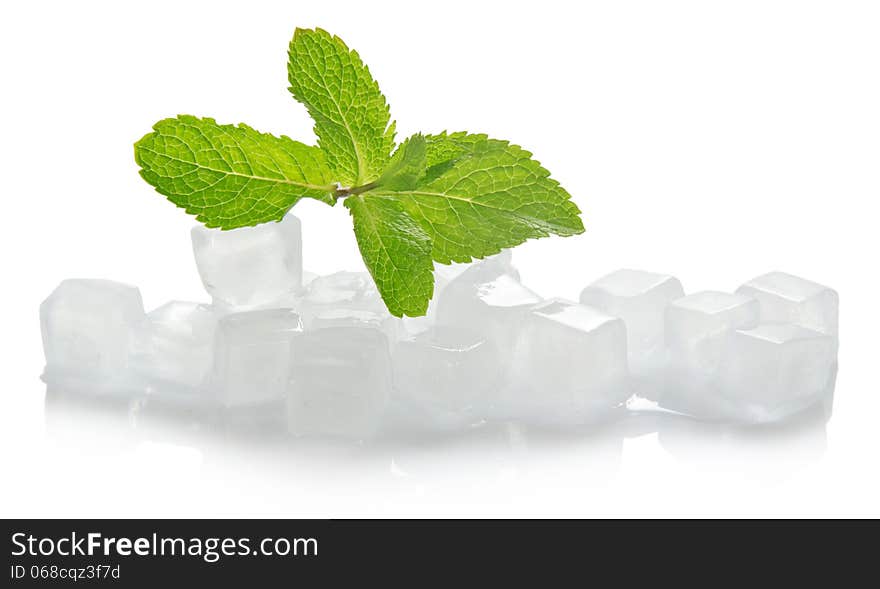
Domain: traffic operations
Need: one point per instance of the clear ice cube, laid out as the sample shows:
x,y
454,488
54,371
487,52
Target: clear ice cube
x,y
640,299
447,375
252,356
350,291
775,370
697,327
88,327
344,317
174,346
489,299
340,382
788,299
570,365
445,274
250,267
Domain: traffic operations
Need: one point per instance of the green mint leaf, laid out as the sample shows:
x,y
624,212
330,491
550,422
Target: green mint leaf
x,y
397,253
445,198
407,165
481,195
231,176
350,113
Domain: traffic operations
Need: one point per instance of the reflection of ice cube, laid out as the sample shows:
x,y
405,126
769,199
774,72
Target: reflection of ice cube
x,y
571,365
640,299
175,345
252,356
788,299
447,374
88,327
250,267
775,370
697,327
340,382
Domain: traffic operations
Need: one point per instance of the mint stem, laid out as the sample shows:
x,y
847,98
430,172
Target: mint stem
x,y
343,192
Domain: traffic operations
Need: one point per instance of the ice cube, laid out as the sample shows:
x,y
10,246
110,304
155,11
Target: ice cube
x,y
412,326
445,274
697,324
88,327
345,317
340,382
775,370
174,346
640,299
352,291
697,327
570,365
488,299
252,356
250,267
307,278
501,263
447,375
788,299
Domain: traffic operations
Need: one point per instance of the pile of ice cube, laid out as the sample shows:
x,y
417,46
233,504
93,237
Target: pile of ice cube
x,y
326,350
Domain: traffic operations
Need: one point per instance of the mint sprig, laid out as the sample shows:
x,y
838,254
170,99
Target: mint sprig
x,y
450,197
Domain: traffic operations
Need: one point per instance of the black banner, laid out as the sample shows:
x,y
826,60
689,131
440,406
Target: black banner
x,y
135,553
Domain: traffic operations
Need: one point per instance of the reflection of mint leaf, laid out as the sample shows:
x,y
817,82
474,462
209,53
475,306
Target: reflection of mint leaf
x,y
407,165
351,115
481,195
447,197
397,253
230,176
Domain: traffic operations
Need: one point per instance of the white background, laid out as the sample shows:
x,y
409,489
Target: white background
x,y
711,140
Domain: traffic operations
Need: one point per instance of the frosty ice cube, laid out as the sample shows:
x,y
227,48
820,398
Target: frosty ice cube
x,y
353,291
340,382
788,299
250,267
345,317
640,299
696,326
775,370
487,299
447,374
444,275
571,365
252,356
88,326
174,346
499,263
696,329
